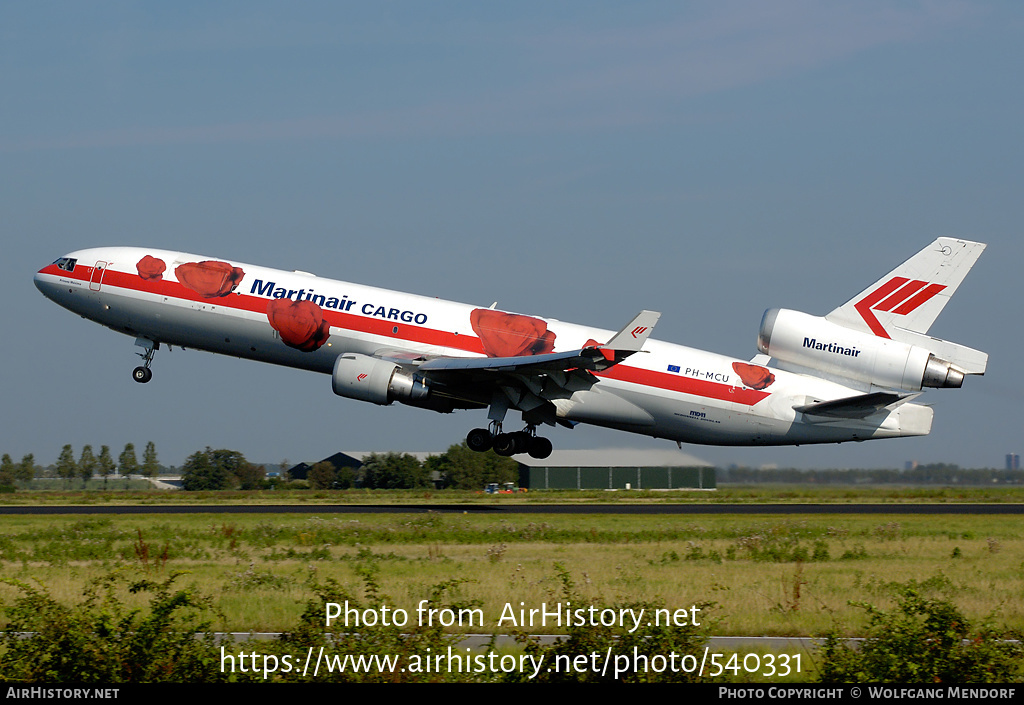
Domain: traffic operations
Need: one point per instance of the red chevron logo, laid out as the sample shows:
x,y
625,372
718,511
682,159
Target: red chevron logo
x,y
638,331
899,296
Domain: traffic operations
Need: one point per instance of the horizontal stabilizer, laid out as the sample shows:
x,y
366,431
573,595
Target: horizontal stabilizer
x,y
857,407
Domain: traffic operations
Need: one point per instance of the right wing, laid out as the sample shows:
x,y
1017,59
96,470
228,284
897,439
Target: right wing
x,y
533,384
627,341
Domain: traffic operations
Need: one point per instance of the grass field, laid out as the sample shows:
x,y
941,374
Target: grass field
x,y
140,492
752,575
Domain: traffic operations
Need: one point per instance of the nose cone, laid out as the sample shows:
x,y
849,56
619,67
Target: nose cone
x,y
44,283
54,280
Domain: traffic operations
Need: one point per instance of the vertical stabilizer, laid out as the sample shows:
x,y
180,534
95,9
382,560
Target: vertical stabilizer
x,y
911,297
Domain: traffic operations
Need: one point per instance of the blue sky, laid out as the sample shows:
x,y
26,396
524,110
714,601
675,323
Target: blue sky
x,y
581,161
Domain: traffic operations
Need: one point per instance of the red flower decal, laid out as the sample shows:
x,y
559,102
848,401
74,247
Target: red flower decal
x,y
209,279
753,376
151,269
301,324
509,334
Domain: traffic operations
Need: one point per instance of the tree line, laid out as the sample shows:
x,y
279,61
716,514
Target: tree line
x,y
85,467
220,469
457,468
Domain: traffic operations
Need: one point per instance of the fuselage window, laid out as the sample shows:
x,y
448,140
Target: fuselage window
x,y
66,263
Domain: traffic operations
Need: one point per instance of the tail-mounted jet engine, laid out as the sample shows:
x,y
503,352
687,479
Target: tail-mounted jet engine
x,y
817,344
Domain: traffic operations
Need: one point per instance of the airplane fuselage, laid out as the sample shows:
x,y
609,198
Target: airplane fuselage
x,y
305,321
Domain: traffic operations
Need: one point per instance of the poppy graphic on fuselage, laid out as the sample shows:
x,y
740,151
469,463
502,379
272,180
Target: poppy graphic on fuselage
x,y
209,279
511,334
754,376
301,324
151,269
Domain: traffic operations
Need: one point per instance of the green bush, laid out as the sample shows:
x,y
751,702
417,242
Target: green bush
x,y
638,657
100,641
923,640
408,647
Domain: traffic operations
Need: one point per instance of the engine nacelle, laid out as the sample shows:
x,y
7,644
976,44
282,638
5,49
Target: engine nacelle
x,y
372,379
815,343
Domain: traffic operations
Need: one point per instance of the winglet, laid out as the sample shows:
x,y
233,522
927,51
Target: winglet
x,y
633,336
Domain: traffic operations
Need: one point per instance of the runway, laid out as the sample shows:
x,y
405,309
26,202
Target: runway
x,y
908,509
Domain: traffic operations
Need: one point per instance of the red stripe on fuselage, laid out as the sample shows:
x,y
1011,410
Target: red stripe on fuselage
x,y
684,385
408,333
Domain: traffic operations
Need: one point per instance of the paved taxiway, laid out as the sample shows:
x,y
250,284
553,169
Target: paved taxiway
x,y
496,509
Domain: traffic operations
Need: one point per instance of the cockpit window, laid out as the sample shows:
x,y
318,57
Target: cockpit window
x,y
66,263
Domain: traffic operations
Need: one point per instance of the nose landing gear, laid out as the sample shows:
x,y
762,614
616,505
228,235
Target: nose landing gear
x,y
142,373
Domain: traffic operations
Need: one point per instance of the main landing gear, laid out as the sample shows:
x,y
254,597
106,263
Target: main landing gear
x,y
142,373
508,444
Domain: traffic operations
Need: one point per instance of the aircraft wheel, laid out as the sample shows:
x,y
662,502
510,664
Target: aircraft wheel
x,y
479,439
540,447
522,440
142,374
505,444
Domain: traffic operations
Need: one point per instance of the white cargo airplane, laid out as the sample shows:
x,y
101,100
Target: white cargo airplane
x,y
848,376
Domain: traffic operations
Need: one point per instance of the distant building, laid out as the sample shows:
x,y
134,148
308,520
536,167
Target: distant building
x,y
354,459
338,460
616,469
1012,461
607,469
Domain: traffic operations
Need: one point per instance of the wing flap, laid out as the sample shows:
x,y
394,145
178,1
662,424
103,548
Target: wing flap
x,y
585,358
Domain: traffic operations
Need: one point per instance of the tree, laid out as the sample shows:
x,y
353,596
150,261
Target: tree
x,y
127,464
7,473
105,463
345,478
322,476
464,469
394,471
67,468
150,465
26,469
216,470
86,464
250,477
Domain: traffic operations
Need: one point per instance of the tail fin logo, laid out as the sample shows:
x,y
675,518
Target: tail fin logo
x,y
898,296
638,331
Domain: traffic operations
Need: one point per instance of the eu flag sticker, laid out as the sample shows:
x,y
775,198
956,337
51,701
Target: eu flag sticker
x,y
673,368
